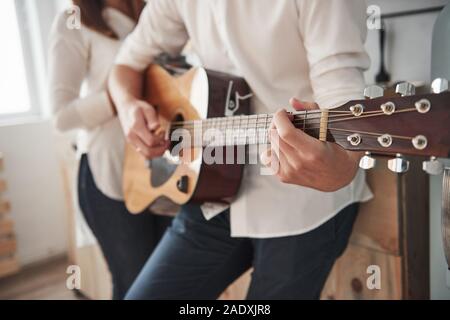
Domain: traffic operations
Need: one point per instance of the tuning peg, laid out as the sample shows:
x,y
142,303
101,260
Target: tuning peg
x,y
439,85
372,92
398,164
433,167
405,89
367,162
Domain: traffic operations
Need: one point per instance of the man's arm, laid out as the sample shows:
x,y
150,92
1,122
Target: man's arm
x,y
333,33
160,29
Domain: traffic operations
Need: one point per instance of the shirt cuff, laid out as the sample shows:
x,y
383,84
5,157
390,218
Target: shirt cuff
x,y
335,88
339,98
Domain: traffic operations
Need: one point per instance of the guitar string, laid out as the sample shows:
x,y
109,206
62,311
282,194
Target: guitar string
x,y
257,118
299,113
270,116
239,120
298,122
295,121
265,139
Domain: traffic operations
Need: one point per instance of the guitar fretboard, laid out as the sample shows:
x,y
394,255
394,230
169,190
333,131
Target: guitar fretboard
x,y
240,130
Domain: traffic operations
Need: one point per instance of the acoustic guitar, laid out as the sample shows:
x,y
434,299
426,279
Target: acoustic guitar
x,y
201,100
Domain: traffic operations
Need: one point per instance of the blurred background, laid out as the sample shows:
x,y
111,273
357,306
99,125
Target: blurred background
x,y
37,204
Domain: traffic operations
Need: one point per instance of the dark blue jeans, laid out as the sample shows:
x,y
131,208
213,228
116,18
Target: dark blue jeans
x,y
126,240
197,259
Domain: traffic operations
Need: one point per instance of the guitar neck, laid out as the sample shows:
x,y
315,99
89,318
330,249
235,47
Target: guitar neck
x,y
245,130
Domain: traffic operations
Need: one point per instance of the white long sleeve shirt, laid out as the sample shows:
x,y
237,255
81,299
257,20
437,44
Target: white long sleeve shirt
x,y
82,59
311,49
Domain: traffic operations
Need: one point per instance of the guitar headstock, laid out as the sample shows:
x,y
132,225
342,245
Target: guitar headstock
x,y
404,124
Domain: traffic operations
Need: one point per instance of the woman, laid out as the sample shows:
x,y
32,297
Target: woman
x,y
84,56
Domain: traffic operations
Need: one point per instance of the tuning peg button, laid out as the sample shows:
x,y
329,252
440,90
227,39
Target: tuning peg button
x,y
405,89
367,162
398,164
433,167
372,92
439,85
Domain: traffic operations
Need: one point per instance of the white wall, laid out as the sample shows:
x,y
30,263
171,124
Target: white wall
x,y
35,190
408,50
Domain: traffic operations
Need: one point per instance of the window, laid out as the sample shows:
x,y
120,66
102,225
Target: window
x,y
24,28
14,91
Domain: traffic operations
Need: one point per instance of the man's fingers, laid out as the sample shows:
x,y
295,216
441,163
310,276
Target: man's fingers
x,y
282,150
289,134
270,161
141,130
146,151
265,157
158,151
140,146
151,116
302,105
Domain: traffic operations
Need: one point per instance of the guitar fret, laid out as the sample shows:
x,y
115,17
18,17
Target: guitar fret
x,y
266,136
304,120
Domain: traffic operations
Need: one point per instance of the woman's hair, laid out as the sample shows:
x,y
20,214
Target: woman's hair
x,y
91,14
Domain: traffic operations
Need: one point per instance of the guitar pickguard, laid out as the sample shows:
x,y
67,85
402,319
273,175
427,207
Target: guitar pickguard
x,y
162,170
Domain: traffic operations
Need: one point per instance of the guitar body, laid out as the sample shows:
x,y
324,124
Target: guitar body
x,y
198,94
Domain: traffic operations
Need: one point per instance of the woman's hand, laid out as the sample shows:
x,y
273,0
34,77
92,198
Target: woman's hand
x,y
304,160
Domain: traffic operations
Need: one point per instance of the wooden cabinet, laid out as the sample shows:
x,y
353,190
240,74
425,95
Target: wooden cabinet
x,y
392,233
348,279
8,244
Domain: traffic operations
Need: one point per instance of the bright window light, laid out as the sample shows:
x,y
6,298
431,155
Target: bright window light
x,y
14,93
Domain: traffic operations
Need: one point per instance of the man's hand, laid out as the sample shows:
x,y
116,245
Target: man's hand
x,y
142,129
306,161
139,120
